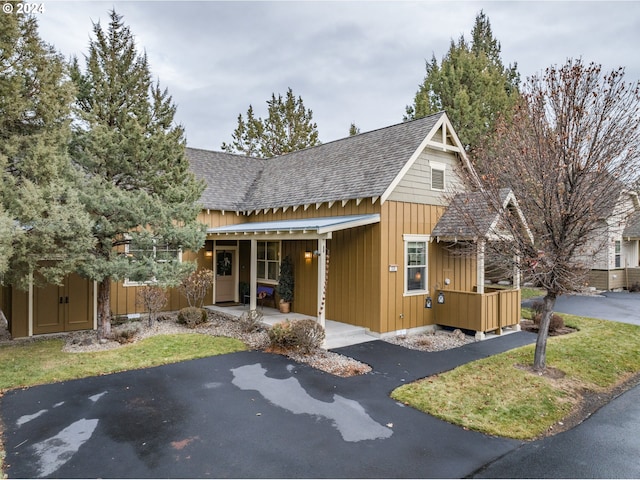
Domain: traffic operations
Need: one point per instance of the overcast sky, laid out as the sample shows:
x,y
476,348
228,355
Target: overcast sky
x,y
350,62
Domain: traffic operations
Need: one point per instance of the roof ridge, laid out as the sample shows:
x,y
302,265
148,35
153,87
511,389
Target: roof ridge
x,y
376,130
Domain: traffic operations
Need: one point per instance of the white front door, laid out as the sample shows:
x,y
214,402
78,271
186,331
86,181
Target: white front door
x,y
224,262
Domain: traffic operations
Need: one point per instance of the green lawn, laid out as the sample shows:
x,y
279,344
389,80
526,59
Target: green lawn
x,y
499,396
43,361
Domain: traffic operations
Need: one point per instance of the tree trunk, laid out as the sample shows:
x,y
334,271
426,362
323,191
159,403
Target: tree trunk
x,y
104,310
540,358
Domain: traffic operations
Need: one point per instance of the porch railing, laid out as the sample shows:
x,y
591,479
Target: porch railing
x,y
481,312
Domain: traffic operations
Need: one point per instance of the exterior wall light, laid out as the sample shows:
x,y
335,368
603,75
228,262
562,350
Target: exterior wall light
x,y
308,255
428,303
441,297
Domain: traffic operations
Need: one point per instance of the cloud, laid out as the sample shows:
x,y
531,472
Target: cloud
x,y
355,61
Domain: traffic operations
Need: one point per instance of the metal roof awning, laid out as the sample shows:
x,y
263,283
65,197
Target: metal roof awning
x,y
298,228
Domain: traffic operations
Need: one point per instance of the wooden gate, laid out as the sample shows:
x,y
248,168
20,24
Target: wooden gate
x,y
63,308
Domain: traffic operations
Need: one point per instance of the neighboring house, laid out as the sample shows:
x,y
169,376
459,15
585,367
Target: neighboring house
x,y
357,218
617,248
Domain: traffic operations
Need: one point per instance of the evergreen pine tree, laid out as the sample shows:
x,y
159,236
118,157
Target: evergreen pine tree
x,y
471,84
44,231
139,190
288,127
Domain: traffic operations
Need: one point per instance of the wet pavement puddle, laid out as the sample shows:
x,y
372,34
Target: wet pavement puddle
x,y
347,416
57,450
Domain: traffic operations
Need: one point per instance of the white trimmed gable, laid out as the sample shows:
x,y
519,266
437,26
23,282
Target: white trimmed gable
x,y
440,155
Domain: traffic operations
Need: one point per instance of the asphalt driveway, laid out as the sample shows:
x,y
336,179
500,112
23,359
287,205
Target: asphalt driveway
x,y
616,306
250,415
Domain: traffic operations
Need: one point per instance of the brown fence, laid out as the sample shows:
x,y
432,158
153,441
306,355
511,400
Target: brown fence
x,y
484,312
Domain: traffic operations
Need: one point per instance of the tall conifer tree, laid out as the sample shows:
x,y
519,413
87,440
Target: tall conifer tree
x,y
44,230
139,191
288,127
471,84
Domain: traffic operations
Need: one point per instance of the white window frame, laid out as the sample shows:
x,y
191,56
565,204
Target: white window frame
x,y
267,261
440,167
410,238
617,254
152,281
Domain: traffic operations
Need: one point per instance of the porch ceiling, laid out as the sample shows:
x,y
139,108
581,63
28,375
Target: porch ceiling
x,y
303,227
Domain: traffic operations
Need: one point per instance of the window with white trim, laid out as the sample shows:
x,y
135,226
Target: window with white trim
x,y
159,253
268,261
416,256
617,253
437,176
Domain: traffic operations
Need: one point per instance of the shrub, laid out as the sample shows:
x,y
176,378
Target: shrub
x,y
250,321
124,336
303,335
308,335
280,335
195,286
556,323
152,298
192,316
537,307
286,282
635,287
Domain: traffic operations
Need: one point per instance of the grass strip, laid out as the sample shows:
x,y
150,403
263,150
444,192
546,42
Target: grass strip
x,y
43,361
499,395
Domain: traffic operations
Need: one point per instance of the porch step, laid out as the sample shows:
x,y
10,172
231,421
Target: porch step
x,y
342,335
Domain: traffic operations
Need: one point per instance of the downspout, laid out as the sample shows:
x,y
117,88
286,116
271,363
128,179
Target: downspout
x,y
30,307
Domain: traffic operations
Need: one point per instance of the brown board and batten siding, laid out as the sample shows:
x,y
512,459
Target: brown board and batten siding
x,y
353,287
399,311
123,298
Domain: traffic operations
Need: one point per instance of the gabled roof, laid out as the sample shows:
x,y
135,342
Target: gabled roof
x,y
227,177
357,167
470,217
632,230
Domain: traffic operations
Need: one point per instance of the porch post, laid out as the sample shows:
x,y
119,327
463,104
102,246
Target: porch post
x,y
322,271
480,266
253,275
516,272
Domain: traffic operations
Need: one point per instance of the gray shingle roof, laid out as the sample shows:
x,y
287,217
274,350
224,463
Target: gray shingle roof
x,y
361,166
632,230
468,217
228,177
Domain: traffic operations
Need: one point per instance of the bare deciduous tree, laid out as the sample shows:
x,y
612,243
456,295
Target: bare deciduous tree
x,y
152,298
195,287
569,153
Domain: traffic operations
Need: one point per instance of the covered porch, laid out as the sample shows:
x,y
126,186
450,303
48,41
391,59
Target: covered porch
x,y
305,239
468,225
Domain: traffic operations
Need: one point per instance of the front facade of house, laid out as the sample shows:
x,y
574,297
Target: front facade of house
x,y
616,264
355,216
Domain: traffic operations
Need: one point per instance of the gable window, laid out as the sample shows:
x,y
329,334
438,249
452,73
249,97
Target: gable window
x,y
139,254
415,259
437,176
617,254
268,261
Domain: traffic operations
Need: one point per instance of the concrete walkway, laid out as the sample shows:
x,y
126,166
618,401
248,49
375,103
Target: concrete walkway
x,y
337,334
